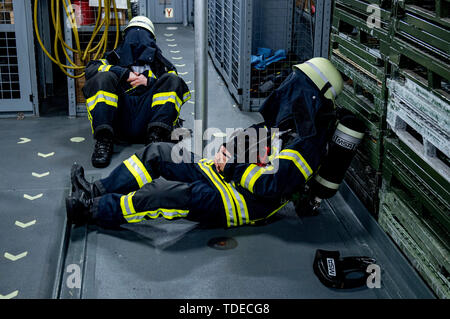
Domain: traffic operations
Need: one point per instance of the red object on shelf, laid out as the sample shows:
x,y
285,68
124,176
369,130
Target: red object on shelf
x,y
84,14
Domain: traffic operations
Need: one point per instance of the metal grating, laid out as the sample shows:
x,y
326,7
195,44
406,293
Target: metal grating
x,y
9,72
279,25
235,43
240,30
218,39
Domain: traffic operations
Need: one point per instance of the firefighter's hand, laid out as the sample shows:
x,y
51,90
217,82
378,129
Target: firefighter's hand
x,y
136,79
221,158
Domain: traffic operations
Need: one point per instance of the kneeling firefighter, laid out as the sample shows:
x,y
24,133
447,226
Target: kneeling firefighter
x,y
134,93
299,122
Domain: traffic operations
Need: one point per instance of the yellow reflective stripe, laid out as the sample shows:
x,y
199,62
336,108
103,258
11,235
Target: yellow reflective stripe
x,y
104,68
90,118
126,204
240,204
230,212
134,172
164,97
244,177
251,175
276,210
167,213
257,175
101,96
301,158
298,160
173,72
142,167
186,97
103,61
135,166
151,74
304,173
247,218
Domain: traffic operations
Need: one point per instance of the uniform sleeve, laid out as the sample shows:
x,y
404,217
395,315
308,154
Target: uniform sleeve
x,y
287,172
102,65
151,77
289,169
167,66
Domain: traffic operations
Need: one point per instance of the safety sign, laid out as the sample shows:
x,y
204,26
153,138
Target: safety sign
x,y
169,12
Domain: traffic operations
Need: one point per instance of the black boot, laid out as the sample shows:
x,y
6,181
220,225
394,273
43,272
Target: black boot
x,y
79,182
78,208
157,134
102,152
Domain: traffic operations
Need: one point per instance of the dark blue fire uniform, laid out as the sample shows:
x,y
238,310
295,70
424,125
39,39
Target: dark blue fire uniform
x,y
245,192
128,112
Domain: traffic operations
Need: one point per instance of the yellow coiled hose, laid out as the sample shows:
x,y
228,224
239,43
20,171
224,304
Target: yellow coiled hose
x,y
98,49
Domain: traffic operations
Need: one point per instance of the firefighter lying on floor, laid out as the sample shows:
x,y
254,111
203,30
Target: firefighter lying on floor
x,y
133,94
221,192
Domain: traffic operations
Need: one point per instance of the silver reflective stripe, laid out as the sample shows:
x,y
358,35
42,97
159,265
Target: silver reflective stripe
x,y
250,176
224,192
101,95
350,132
298,160
138,170
134,218
126,205
326,183
165,98
155,214
240,203
323,77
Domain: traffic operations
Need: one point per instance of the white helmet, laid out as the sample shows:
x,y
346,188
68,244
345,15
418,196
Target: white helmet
x,y
321,71
143,22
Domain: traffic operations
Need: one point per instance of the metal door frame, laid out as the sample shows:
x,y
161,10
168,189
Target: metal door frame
x,y
28,102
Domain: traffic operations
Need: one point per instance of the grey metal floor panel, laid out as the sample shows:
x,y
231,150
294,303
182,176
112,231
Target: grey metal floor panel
x,y
162,259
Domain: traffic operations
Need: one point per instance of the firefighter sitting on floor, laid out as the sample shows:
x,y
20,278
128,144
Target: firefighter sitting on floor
x,y
133,94
223,192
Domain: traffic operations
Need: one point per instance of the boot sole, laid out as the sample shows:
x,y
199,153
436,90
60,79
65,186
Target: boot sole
x,y
69,209
101,165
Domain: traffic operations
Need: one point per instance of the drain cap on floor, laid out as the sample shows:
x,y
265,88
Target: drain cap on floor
x,y
222,243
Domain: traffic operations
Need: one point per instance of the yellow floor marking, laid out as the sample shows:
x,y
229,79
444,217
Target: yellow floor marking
x,y
25,225
24,140
77,139
9,296
46,155
15,257
40,175
33,197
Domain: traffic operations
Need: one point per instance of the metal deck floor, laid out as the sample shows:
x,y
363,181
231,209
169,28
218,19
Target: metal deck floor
x,y
163,259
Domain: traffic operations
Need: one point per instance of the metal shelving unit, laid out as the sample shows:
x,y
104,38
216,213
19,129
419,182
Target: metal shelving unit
x,y
238,28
